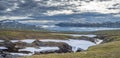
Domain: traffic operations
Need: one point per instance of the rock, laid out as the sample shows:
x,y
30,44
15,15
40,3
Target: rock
x,y
63,46
94,40
6,55
79,50
38,43
87,38
11,56
45,52
104,38
20,45
1,56
11,46
101,36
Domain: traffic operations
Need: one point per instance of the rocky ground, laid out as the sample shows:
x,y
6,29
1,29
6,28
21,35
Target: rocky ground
x,y
22,43
16,48
7,55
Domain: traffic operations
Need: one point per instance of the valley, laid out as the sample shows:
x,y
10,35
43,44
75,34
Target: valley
x,y
59,29
16,43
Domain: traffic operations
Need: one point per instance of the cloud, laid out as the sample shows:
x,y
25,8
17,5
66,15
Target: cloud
x,y
38,21
14,7
75,7
59,7
57,12
14,17
100,7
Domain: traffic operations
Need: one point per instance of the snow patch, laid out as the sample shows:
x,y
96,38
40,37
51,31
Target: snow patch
x,y
3,47
98,41
1,40
21,54
28,40
79,35
75,44
40,49
13,41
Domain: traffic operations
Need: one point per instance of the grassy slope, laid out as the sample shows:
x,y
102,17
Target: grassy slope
x,y
110,36
106,50
18,34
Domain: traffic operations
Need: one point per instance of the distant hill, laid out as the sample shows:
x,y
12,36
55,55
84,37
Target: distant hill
x,y
105,24
12,24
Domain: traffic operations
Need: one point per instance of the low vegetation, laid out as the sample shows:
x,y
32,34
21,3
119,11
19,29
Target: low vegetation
x,y
18,34
110,49
109,36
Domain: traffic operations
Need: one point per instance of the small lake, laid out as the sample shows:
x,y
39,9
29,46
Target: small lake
x,y
79,29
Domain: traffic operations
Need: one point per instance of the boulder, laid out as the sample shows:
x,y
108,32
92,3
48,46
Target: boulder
x,y
104,38
1,56
11,46
7,55
20,45
63,46
10,56
38,43
87,38
79,50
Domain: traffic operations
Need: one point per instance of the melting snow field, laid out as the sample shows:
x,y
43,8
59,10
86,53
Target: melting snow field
x,y
33,50
25,40
78,35
1,40
1,47
41,49
21,54
28,40
75,44
13,41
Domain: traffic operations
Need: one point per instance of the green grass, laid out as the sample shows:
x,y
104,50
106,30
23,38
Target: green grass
x,y
111,49
108,50
108,32
20,34
109,36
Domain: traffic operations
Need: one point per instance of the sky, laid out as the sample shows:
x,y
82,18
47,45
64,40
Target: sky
x,y
23,9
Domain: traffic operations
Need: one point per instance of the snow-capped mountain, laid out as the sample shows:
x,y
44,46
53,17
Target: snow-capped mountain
x,y
92,11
